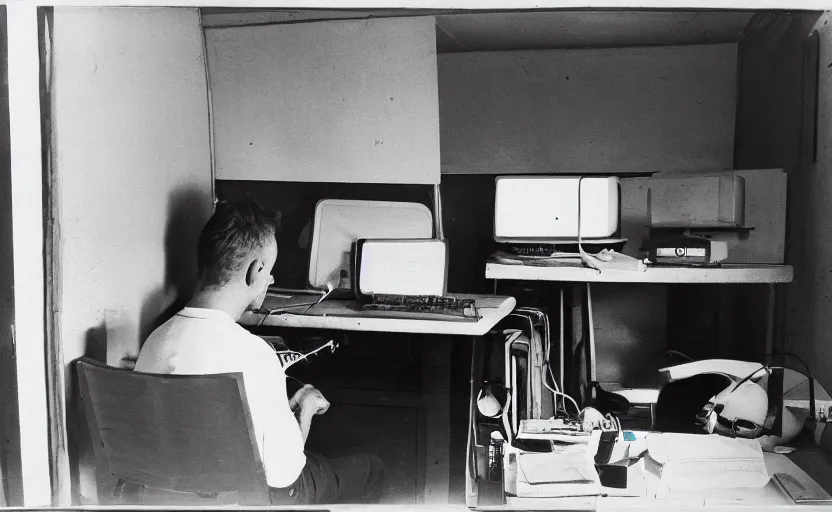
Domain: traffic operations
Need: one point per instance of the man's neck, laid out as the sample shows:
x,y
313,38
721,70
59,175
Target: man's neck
x,y
221,299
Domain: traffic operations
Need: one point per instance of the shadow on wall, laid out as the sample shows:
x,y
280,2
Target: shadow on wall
x,y
79,447
188,211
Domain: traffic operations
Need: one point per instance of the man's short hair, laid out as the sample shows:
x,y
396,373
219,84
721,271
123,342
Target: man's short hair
x,y
231,234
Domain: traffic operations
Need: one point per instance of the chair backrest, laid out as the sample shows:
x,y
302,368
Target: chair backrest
x,y
186,433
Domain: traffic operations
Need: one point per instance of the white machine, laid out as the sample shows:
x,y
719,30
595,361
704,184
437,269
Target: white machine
x,y
340,222
552,209
401,267
749,406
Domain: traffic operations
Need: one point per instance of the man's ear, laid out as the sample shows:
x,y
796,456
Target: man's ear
x,y
254,268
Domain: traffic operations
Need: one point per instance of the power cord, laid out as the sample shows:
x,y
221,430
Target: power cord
x,y
556,391
330,287
286,310
812,410
296,380
585,257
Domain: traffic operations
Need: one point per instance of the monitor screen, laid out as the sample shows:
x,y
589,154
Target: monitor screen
x,y
545,208
402,267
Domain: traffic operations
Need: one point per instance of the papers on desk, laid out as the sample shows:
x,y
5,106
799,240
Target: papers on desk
x,y
567,465
567,471
704,462
604,260
681,463
715,472
552,430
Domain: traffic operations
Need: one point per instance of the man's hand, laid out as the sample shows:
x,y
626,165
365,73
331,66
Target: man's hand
x,y
295,400
308,401
305,403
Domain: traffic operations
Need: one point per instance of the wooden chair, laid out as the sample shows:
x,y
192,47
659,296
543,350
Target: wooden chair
x,y
173,439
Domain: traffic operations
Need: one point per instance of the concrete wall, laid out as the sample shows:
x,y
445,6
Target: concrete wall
x,y
660,108
133,183
810,298
775,125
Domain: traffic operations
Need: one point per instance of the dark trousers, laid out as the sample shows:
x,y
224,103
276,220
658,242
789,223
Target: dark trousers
x,y
350,479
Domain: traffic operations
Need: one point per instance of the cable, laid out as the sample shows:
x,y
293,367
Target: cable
x,y
548,345
548,364
812,409
586,258
755,372
513,374
806,366
677,353
556,391
547,342
572,400
296,380
267,315
552,376
286,310
506,422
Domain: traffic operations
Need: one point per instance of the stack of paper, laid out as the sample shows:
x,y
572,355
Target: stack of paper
x,y
552,430
703,462
567,471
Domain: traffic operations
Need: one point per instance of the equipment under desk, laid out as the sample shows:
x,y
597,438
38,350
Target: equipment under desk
x,y
348,316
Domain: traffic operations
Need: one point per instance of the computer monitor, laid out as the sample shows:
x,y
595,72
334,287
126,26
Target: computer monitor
x,y
401,267
545,209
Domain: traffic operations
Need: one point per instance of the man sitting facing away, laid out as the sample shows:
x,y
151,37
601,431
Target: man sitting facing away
x,y
235,255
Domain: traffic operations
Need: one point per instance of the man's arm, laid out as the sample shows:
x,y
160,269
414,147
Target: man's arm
x,y
304,417
306,403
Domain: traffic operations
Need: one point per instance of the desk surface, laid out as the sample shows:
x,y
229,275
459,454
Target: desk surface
x,y
770,497
345,316
653,274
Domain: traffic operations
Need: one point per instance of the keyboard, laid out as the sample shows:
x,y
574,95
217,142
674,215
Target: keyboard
x,y
423,304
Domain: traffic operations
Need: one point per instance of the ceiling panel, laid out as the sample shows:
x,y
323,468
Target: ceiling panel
x,y
223,17
564,29
527,30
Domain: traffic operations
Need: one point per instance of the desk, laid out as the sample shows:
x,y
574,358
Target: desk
x,y
653,274
347,316
770,497
436,370
583,332
657,274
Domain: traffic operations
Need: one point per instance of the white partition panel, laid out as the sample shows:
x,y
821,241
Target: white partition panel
x,y
335,101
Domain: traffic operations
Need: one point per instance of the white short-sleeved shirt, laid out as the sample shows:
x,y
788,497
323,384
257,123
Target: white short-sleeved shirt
x,y
200,341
